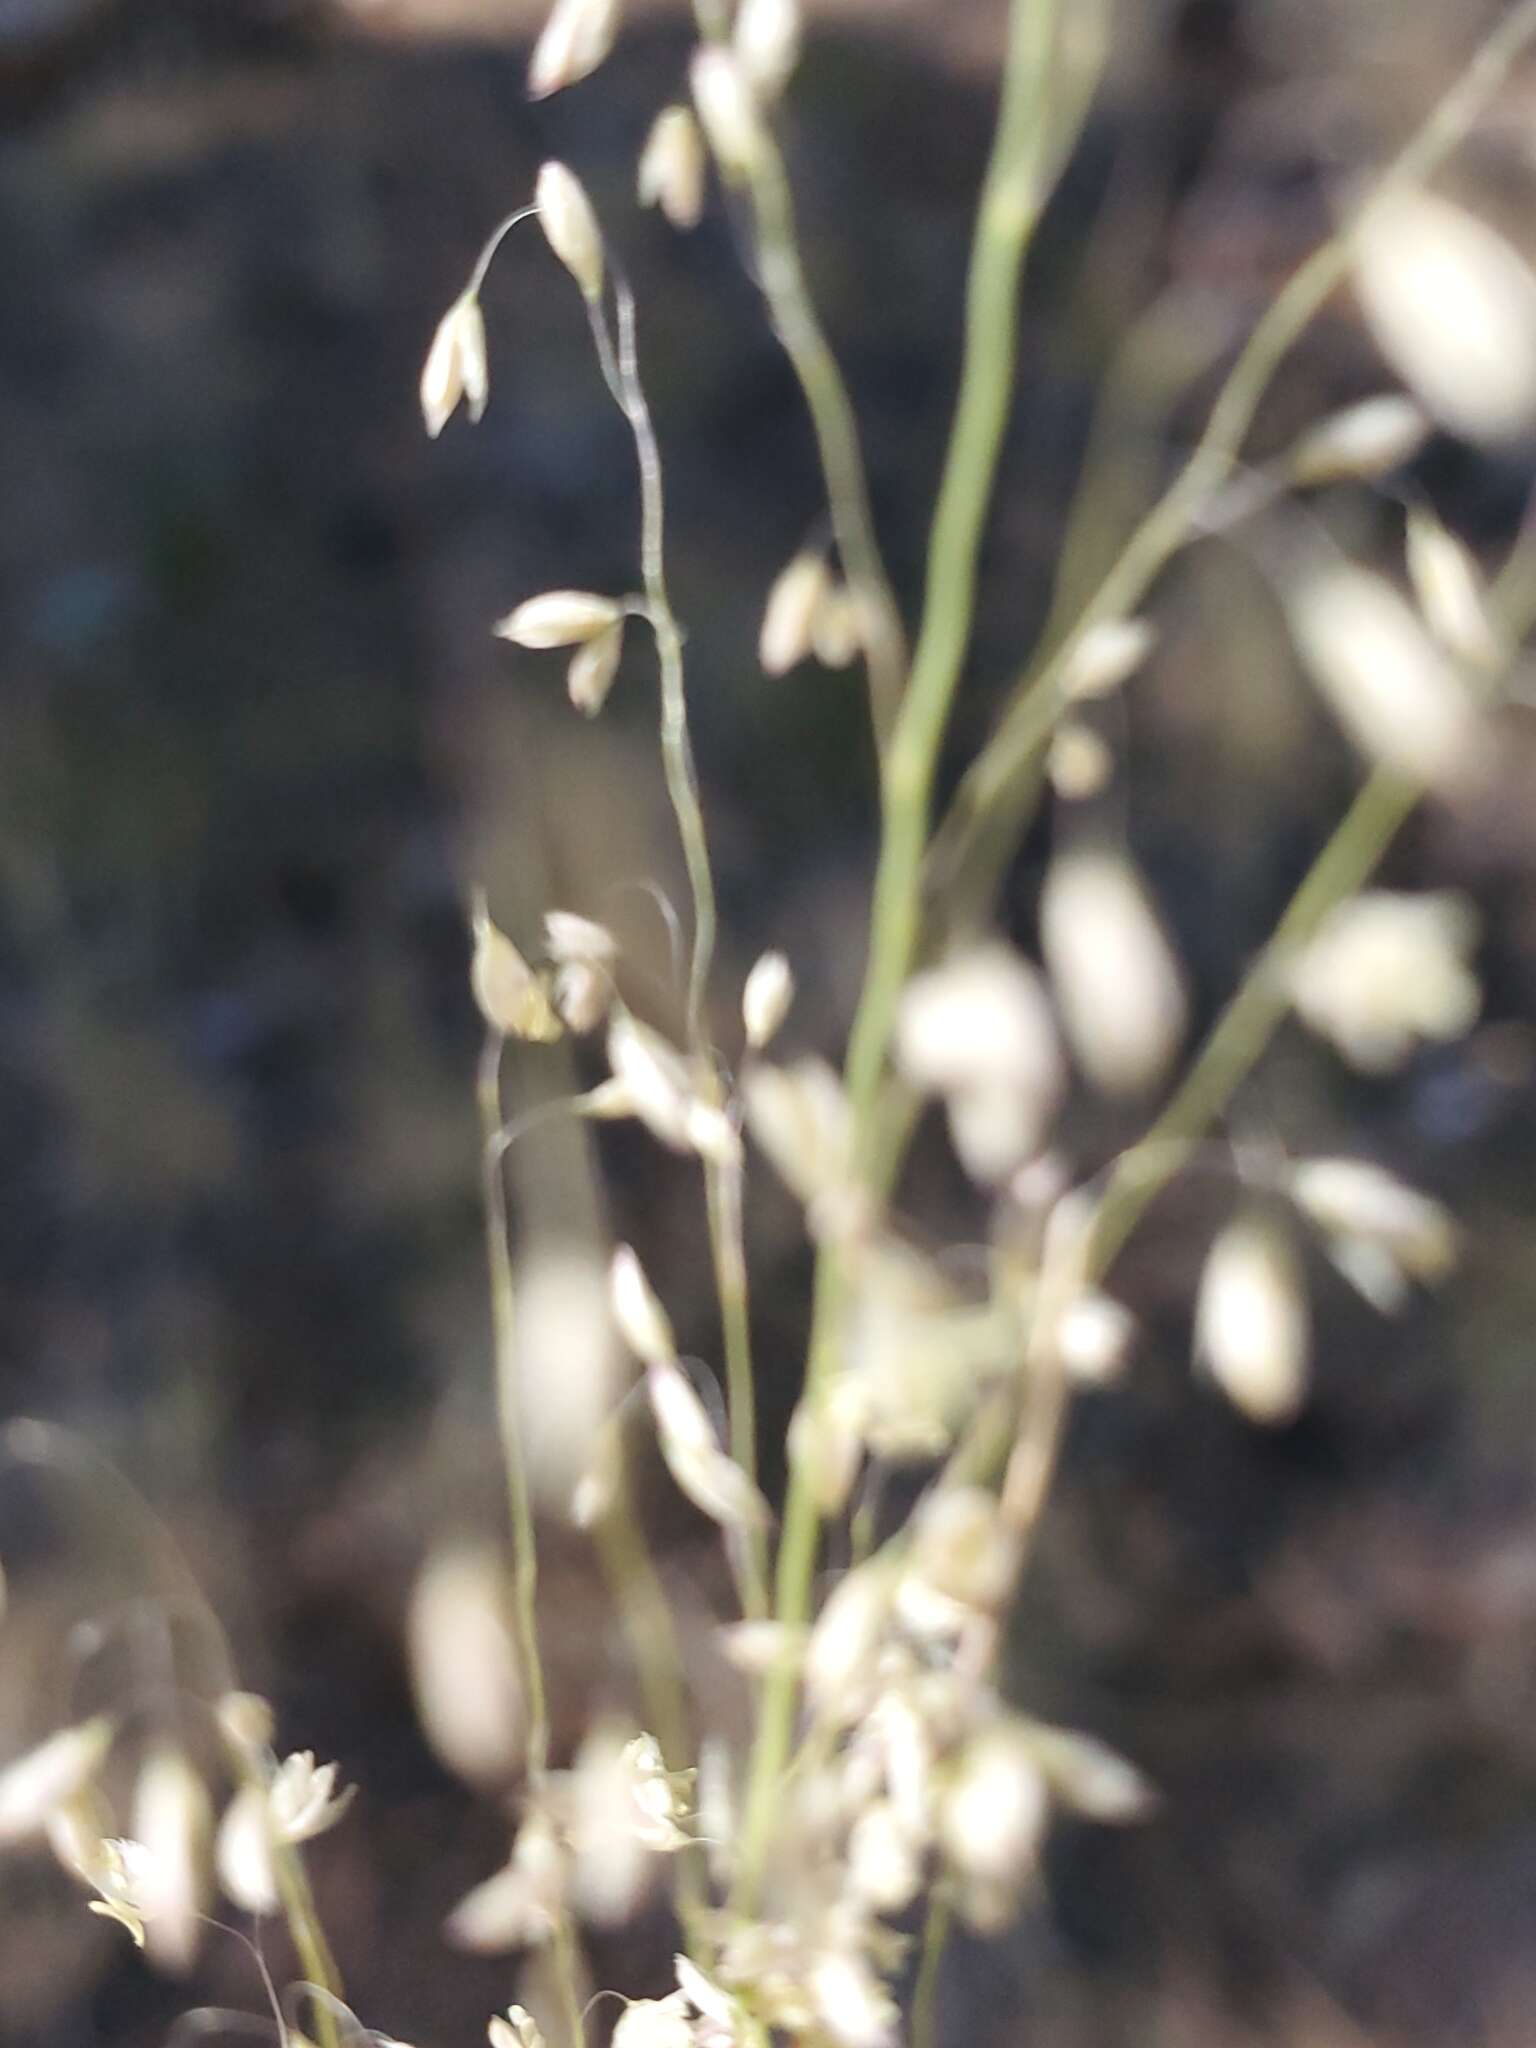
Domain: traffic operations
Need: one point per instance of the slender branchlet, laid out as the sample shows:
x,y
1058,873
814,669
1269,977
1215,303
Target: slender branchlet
x,y
619,361
997,793
525,1556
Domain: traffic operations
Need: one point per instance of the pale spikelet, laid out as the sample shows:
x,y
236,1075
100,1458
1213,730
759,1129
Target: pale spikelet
x,y
559,618
643,1322
244,1852
657,1807
304,1799
728,112
1390,686
655,1077
978,1030
853,2008
961,1560
1117,983
519,1905
1252,1326
671,169
836,631
593,668
76,1831
758,1647
584,953
1453,308
1105,657
597,1490
992,1821
799,1116
846,1635
715,1792
565,1357
715,1484
518,2030
173,1819
509,995
654,2023
582,995
1451,591
1385,970
914,1352
52,1775
981,1016
1094,1338
765,999
618,1807
455,368
575,39
124,1878
885,1865
1364,441
1353,1199
712,1133
464,1672
798,591
724,2023
247,1723
1090,1777
767,44
826,1441
1079,762
569,938
570,226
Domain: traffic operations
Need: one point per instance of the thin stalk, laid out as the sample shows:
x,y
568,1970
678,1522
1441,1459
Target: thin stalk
x,y
1012,197
1245,1027
1248,1023
938,1918
621,372
308,1937
781,276
728,1231
525,1557
990,808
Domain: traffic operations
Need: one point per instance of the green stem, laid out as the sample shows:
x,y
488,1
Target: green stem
x,y
727,1236
1011,201
308,1937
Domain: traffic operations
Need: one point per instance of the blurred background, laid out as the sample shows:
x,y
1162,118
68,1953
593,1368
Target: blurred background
x,y
258,745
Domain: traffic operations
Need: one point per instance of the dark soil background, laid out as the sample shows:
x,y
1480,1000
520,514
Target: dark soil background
x,y
257,743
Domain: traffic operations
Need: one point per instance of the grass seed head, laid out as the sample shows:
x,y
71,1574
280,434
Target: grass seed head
x,y
570,227
575,38
671,169
455,368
